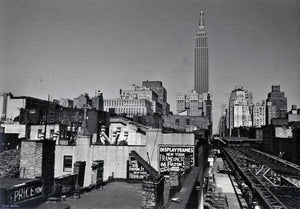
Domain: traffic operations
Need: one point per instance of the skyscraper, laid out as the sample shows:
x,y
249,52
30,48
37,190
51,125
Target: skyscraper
x,y
143,92
97,100
240,103
194,104
201,58
259,114
276,104
157,87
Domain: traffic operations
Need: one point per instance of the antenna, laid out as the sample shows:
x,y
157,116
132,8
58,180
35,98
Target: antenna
x,y
41,84
201,21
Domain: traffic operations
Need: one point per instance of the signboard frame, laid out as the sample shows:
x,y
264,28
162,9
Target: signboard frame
x,y
27,189
173,147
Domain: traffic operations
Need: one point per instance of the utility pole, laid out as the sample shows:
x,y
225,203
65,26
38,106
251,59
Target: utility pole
x,y
47,117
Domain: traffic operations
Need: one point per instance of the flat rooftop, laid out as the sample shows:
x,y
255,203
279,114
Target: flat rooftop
x,y
234,139
6,183
115,195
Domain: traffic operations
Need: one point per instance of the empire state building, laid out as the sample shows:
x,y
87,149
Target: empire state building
x,y
201,58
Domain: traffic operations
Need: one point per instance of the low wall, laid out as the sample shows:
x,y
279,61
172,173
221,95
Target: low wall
x,y
23,193
188,195
64,184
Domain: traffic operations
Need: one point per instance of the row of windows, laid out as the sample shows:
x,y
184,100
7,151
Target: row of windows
x,y
259,121
121,110
123,102
40,133
188,101
187,121
202,33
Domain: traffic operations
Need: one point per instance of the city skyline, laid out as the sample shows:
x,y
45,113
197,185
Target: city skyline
x,y
64,49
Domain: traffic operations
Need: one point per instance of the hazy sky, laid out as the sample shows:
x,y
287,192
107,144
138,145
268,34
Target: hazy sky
x,y
81,45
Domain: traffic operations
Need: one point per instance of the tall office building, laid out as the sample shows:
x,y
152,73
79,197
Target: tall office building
x,y
82,101
201,58
158,88
223,121
194,104
97,100
143,92
66,102
240,103
128,107
276,104
259,114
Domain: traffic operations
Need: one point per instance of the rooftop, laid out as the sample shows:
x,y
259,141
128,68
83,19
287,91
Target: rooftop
x,y
117,195
241,139
6,183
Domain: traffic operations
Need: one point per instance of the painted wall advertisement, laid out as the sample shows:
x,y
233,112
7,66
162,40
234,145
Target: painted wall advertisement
x,y
135,170
172,157
24,192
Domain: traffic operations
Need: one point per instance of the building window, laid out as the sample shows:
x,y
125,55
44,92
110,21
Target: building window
x,y
187,121
40,133
67,163
51,134
177,121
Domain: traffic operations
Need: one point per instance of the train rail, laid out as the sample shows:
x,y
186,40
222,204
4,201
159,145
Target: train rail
x,y
276,163
257,183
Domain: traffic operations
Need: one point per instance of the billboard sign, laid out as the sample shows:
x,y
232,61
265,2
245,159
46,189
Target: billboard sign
x,y
172,157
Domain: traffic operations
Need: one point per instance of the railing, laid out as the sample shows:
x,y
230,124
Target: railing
x,y
297,167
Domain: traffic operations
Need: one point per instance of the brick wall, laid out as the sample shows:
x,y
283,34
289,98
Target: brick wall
x,y
175,183
174,178
37,161
153,191
28,160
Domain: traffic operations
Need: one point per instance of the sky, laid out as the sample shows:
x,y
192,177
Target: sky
x,y
67,47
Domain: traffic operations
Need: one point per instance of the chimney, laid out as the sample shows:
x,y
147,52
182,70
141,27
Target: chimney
x,y
4,107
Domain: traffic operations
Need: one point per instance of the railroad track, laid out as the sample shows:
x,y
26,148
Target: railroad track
x,y
257,183
276,163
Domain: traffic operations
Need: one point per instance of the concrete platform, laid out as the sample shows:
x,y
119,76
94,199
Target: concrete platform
x,y
222,179
224,184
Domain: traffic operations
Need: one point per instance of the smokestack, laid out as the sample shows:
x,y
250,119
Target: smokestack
x,y
4,108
